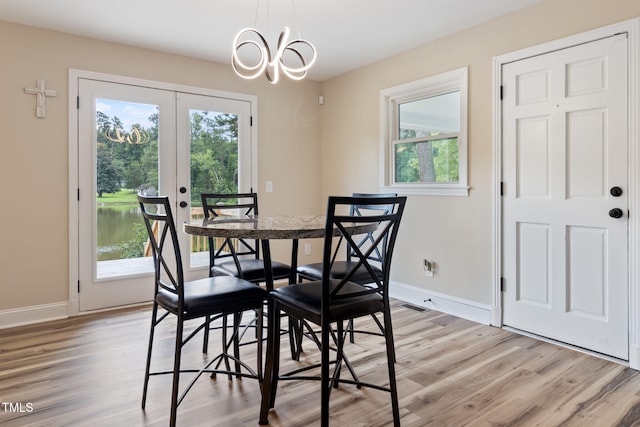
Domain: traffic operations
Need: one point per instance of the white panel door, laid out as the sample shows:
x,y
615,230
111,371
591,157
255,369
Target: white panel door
x,y
564,175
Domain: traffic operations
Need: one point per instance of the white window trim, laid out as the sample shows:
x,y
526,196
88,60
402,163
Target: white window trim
x,y
430,86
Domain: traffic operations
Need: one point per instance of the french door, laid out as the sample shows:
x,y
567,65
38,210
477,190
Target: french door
x,y
566,187
138,139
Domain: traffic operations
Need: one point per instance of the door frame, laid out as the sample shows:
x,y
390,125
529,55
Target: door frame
x,y
74,75
632,28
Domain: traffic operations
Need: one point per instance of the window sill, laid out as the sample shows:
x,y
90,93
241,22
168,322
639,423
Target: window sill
x,y
428,190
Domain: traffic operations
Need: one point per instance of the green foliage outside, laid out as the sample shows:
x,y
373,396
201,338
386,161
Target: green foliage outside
x,y
134,247
125,164
123,196
214,154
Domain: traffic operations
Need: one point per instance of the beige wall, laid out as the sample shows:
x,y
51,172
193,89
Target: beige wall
x,y
34,152
307,151
455,232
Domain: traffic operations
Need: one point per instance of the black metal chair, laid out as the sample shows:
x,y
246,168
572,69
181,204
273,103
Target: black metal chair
x,y
328,302
207,299
240,257
340,268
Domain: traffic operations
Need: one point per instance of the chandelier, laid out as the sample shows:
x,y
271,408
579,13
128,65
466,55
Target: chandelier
x,y
293,58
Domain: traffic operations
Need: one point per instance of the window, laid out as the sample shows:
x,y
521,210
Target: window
x,y
424,135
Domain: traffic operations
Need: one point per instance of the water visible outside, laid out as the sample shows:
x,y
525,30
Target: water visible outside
x,y
117,229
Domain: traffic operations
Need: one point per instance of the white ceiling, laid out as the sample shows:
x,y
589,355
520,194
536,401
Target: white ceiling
x,y
346,33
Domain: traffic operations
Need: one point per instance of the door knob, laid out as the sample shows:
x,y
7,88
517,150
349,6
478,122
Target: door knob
x,y
184,190
184,204
616,191
616,213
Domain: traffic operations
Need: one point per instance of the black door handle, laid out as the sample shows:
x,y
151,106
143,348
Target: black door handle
x,y
616,191
184,190
184,204
616,213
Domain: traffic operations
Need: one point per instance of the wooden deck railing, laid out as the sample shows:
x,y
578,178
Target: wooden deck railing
x,y
198,243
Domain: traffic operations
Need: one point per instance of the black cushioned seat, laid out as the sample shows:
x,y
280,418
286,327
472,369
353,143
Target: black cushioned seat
x,y
339,270
222,294
251,269
304,300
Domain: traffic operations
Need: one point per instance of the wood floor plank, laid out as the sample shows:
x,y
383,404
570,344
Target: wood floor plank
x,y
88,371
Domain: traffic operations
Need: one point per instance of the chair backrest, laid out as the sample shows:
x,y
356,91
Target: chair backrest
x,y
385,218
167,260
359,210
233,204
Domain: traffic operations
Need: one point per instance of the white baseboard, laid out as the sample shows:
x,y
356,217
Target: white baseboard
x,y
634,357
440,302
421,297
33,314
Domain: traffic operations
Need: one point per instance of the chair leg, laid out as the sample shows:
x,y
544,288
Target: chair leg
x,y
339,349
259,345
352,334
236,341
275,372
226,343
294,342
271,373
299,335
154,315
325,391
205,343
391,366
390,329
257,312
382,329
176,373
225,347
341,358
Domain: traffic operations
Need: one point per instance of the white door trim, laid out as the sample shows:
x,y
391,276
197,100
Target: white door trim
x,y
74,75
631,27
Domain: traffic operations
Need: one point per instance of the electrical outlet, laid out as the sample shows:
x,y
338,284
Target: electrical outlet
x,y
429,267
269,186
307,249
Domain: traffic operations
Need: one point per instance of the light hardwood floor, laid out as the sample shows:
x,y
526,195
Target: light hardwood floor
x,y
88,371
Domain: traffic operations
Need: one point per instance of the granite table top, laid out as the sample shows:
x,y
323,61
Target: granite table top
x,y
266,227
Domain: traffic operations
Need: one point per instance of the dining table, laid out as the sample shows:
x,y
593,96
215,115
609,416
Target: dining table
x,y
266,228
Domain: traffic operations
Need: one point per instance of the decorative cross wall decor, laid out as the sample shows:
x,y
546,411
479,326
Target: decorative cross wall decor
x,y
41,94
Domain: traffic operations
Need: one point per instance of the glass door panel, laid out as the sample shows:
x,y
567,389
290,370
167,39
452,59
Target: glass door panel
x,y
213,138
126,163
126,145
217,132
